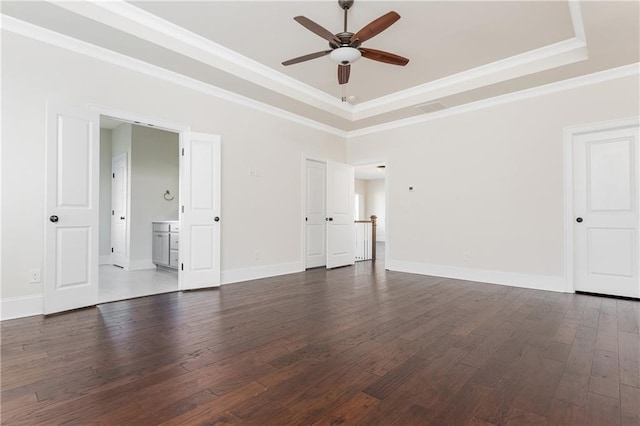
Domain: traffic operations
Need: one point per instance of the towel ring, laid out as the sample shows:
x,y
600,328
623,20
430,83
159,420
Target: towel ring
x,y
167,196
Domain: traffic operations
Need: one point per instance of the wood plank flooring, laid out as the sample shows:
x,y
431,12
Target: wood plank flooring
x,y
356,345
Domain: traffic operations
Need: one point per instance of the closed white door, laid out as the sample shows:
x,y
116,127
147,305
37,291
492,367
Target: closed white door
x,y
200,199
71,231
340,225
119,200
606,212
315,215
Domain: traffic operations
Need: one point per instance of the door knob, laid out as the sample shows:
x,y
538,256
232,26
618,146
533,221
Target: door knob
x,y
217,219
579,220
330,219
53,218
121,217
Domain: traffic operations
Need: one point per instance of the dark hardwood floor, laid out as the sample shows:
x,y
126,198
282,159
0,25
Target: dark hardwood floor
x,y
356,345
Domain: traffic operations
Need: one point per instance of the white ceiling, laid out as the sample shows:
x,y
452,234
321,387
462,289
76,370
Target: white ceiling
x,y
459,51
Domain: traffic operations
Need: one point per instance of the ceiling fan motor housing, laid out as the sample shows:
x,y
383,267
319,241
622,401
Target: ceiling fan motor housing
x,y
345,4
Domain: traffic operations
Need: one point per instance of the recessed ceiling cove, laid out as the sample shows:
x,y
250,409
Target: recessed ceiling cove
x,y
459,51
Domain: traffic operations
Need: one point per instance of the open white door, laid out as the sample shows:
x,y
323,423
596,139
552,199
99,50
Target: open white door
x,y
606,220
315,214
340,227
200,217
119,199
71,230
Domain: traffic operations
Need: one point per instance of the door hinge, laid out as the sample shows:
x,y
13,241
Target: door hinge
x,y
183,152
113,212
114,175
182,209
182,266
111,249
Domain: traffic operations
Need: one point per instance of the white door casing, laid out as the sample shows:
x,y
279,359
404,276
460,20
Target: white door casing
x,y
315,214
340,225
200,218
72,214
119,200
606,215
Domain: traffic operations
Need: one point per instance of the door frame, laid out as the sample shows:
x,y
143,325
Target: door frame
x,y
569,133
387,174
156,123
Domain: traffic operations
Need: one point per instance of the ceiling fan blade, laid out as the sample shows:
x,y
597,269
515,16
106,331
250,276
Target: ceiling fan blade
x,y
343,73
306,57
382,56
316,28
376,27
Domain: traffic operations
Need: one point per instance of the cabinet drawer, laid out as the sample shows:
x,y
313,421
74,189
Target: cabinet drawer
x,y
174,227
160,227
174,241
173,258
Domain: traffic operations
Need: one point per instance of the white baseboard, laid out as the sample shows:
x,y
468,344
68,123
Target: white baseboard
x,y
18,307
257,272
104,260
514,279
137,265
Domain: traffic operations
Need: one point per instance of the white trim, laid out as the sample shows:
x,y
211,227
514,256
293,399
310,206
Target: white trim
x,y
576,20
132,118
147,26
19,307
257,272
572,83
105,260
46,36
513,279
83,48
537,60
567,136
154,29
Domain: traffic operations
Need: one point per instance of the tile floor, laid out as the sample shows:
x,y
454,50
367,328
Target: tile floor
x,y
118,284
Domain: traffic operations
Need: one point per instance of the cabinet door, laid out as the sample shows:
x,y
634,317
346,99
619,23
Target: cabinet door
x,y
160,249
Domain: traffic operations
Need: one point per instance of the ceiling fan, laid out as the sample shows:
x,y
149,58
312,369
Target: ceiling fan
x,y
345,46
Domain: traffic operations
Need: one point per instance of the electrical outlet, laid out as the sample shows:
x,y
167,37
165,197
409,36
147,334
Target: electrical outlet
x,y
34,276
466,258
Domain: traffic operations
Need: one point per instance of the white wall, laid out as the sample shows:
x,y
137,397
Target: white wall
x,y
154,169
105,195
488,184
375,205
361,190
33,72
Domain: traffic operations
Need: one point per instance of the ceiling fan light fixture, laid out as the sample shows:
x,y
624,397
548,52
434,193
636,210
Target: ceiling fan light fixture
x,y
345,55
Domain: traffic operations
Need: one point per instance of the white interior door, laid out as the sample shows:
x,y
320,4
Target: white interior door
x,y
72,179
200,196
315,214
119,185
606,212
340,226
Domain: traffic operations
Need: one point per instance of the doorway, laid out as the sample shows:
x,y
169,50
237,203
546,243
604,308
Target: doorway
x,y
371,200
72,200
328,230
602,217
139,192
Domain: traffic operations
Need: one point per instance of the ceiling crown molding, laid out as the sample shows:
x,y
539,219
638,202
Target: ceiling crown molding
x,y
140,23
34,32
